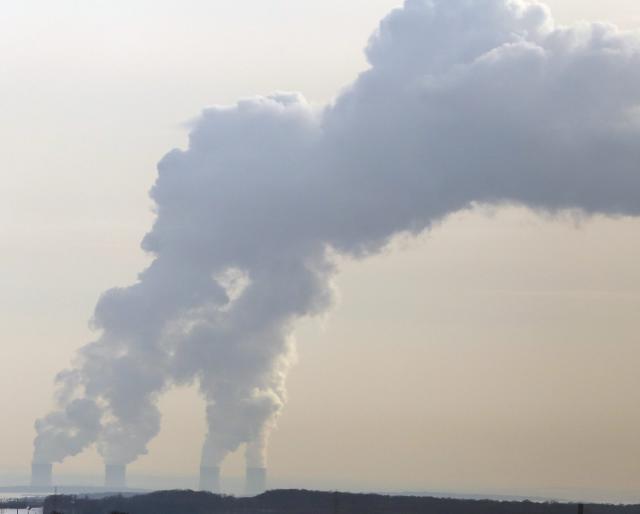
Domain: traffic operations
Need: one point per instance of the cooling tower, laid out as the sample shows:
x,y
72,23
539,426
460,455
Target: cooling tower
x,y
256,481
115,476
209,479
41,474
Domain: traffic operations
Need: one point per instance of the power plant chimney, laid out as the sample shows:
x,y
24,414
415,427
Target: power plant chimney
x,y
256,481
115,476
41,474
209,479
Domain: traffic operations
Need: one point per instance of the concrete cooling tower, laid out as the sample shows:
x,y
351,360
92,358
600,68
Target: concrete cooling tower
x,y
115,476
255,481
41,473
209,479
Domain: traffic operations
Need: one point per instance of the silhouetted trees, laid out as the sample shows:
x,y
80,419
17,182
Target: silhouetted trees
x,y
20,503
311,502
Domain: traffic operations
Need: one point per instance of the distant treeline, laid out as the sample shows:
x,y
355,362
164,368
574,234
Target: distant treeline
x,y
309,502
21,503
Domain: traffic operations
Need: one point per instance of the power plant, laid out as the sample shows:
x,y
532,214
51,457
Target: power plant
x,y
255,480
115,478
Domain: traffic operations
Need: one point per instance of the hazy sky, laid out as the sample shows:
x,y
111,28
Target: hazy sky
x,y
500,356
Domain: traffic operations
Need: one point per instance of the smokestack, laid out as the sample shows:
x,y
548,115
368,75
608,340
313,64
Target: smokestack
x,y
41,474
256,481
209,479
115,476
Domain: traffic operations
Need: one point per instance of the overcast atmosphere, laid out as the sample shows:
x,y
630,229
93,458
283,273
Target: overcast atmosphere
x,y
482,341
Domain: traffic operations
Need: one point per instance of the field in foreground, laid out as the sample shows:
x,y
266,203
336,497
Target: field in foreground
x,y
310,502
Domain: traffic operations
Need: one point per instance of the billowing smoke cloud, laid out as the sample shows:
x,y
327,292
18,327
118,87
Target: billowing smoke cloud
x,y
466,101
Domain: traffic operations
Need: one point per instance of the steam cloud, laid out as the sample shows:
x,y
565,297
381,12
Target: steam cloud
x,y
466,101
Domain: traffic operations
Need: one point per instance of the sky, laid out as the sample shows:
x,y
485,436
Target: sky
x,y
499,357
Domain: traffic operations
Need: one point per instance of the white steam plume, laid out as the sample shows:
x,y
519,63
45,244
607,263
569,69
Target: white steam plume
x,y
466,101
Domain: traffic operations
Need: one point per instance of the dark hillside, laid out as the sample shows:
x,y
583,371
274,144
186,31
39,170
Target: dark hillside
x,y
310,502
